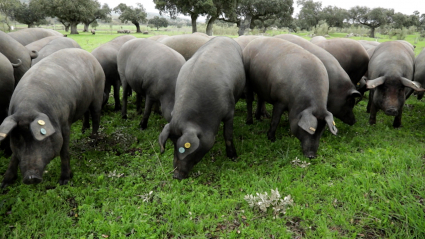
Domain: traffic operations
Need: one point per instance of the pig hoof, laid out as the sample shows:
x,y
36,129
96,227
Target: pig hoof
x,y
63,181
117,108
143,126
5,184
271,138
250,121
124,117
397,126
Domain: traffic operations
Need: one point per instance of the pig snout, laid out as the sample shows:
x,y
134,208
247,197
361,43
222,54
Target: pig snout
x,y
180,175
391,112
32,177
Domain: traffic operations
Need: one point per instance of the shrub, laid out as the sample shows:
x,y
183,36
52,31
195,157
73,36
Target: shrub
x,y
322,29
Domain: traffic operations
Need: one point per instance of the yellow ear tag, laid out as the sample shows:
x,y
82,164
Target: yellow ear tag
x,y
333,122
358,84
312,129
3,135
41,122
187,145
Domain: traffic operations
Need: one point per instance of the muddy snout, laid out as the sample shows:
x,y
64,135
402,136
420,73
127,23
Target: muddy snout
x,y
391,112
32,177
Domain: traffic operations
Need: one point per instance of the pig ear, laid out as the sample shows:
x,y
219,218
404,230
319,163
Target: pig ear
x,y
412,84
8,124
372,84
163,137
187,144
356,94
331,123
41,127
308,122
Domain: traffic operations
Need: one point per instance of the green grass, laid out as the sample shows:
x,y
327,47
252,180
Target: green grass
x,y
367,182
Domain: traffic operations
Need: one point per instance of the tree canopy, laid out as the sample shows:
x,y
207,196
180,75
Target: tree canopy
x,y
135,15
158,22
72,12
7,9
192,8
371,18
32,14
248,11
310,13
101,13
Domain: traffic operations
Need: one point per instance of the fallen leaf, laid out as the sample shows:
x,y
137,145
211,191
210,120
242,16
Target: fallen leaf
x,y
105,236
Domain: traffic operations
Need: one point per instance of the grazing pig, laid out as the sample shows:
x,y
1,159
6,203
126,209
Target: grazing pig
x,y
15,52
368,44
290,78
420,71
186,45
50,97
28,35
207,89
54,46
350,54
158,37
107,54
317,39
37,45
243,41
391,70
150,69
342,93
7,84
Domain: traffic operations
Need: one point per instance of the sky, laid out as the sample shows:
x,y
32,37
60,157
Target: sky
x,y
403,6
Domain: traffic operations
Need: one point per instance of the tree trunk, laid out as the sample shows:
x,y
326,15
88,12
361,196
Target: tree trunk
x,y
137,27
74,28
30,25
194,17
210,25
372,32
265,29
66,28
86,27
245,24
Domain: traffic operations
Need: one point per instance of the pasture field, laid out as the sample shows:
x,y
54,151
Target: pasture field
x,y
367,182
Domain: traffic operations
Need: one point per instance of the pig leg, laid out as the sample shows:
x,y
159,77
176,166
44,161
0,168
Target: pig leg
x,y
126,91
148,107
86,121
95,117
249,99
369,103
139,100
259,112
228,137
373,111
66,173
397,119
117,95
107,91
11,173
276,115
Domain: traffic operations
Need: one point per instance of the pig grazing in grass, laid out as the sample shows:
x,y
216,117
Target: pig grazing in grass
x,y
391,70
207,89
51,96
294,80
150,69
